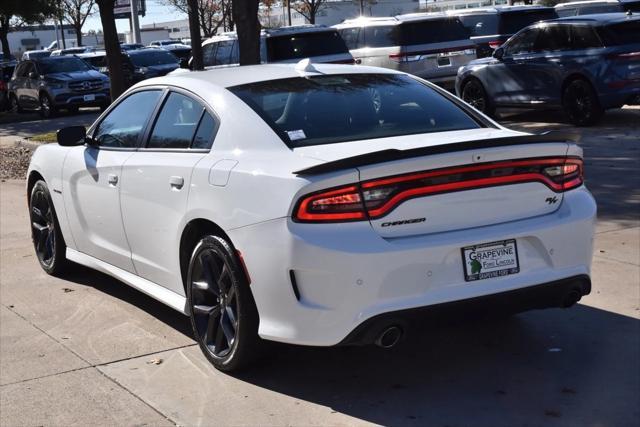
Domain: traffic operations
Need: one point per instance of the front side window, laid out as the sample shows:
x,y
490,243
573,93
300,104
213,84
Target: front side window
x,y
176,123
125,123
525,42
554,38
339,108
209,54
381,36
223,54
350,37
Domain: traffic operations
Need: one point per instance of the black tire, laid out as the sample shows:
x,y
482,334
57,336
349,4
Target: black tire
x,y
45,231
474,94
47,109
224,317
14,105
580,103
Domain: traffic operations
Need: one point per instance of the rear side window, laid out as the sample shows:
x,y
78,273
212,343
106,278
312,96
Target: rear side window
x,y
485,24
512,22
223,54
338,108
305,45
622,33
205,133
381,36
433,31
350,37
124,124
584,37
603,8
176,123
566,11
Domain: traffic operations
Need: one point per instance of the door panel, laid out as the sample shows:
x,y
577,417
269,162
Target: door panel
x,y
93,205
155,187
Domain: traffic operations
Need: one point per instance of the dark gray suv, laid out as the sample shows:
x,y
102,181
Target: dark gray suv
x,y
64,82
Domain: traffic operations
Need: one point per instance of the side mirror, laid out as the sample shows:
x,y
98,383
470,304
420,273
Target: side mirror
x,y
71,136
498,53
33,75
184,63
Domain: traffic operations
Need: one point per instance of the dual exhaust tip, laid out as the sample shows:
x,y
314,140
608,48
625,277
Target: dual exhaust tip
x,y
389,337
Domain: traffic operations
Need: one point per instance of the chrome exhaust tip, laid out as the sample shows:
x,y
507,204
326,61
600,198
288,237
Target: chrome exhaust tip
x,y
389,337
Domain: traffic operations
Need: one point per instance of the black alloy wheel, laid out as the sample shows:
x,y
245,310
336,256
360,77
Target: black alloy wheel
x,y
45,232
47,109
581,103
14,105
474,94
223,314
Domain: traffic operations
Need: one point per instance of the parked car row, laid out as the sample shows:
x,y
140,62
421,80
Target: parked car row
x,y
582,64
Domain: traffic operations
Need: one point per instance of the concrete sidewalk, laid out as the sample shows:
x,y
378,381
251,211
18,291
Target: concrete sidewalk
x,y
88,350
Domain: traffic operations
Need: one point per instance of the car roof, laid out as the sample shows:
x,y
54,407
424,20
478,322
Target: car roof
x,y
367,20
421,16
235,76
584,3
273,32
600,18
498,9
146,49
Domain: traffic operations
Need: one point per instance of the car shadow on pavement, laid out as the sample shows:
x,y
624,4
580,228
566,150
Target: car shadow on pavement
x,y
577,366
84,276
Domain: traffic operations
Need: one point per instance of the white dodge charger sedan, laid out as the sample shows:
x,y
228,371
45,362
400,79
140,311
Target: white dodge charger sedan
x,y
313,204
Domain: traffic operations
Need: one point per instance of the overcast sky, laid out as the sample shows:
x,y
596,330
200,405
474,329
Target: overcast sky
x,y
156,12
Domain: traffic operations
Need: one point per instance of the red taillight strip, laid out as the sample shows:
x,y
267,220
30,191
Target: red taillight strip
x,y
302,212
462,169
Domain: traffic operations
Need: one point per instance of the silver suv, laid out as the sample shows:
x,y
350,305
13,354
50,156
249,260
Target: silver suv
x,y
287,44
49,84
429,45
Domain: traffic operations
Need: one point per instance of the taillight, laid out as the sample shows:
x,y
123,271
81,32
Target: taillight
x,y
624,56
495,44
3,85
376,198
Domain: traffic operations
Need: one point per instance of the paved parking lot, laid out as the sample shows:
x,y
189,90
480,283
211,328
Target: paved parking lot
x,y
88,350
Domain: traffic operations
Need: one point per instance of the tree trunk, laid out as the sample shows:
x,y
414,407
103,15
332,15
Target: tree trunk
x,y
78,35
112,47
289,11
245,15
196,41
4,30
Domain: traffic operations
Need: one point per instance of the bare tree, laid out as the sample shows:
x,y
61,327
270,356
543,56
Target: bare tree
x,y
309,8
76,12
245,16
15,13
112,47
211,14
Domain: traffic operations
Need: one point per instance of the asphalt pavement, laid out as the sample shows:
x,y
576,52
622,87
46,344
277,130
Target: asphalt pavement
x,y
88,350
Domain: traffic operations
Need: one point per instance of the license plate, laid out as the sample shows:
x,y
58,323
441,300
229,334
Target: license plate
x,y
489,260
89,97
444,61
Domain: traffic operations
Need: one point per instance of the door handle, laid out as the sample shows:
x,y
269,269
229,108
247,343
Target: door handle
x,y
176,182
113,179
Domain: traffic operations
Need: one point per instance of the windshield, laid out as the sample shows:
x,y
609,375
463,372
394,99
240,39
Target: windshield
x,y
153,57
433,31
337,108
512,22
62,64
621,33
305,45
484,24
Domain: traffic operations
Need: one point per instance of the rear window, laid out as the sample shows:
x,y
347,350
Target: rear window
x,y
512,22
305,45
622,33
432,31
338,108
153,57
485,24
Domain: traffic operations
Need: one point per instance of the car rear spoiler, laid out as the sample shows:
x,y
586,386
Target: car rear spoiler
x,y
395,154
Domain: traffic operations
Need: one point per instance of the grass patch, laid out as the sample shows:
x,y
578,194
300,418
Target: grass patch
x,y
46,137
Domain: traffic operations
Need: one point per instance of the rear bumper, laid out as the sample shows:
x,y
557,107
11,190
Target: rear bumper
x,y
560,293
316,283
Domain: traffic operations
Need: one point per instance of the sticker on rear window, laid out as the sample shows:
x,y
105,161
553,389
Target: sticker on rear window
x,y
295,135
